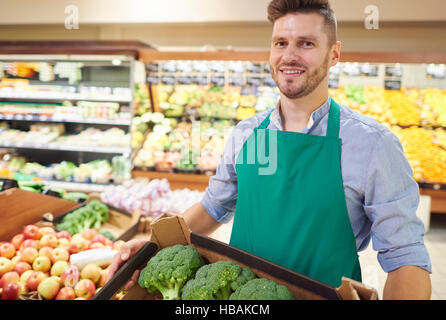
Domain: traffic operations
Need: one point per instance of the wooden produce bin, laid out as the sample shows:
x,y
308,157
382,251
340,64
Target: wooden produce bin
x,y
19,208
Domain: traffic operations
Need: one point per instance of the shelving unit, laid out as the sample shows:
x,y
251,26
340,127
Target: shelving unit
x,y
76,84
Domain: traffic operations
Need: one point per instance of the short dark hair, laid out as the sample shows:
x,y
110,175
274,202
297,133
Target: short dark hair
x,y
279,8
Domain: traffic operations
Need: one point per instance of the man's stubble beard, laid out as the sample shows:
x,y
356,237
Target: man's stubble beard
x,y
314,79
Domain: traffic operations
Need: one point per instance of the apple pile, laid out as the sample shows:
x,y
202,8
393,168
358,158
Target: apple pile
x,y
38,260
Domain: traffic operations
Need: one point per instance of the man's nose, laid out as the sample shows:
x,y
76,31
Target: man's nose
x,y
291,54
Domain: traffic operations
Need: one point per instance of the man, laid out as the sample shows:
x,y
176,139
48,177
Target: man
x,y
337,178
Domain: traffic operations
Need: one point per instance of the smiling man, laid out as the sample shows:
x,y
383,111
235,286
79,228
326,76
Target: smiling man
x,y
340,180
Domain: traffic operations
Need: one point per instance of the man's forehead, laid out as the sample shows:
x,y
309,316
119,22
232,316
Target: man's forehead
x,y
299,25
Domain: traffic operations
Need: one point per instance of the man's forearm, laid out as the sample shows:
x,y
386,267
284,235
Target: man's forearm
x,y
199,220
408,283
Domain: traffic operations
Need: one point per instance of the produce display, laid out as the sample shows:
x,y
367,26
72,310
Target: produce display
x,y
91,216
183,146
39,262
415,116
13,166
178,272
150,197
52,133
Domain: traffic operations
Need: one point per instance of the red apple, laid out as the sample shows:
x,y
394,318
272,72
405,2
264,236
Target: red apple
x,y
63,234
60,254
11,291
42,263
29,254
48,288
17,240
91,271
21,267
63,243
103,278
32,232
25,275
16,259
6,265
29,243
90,234
66,293
70,277
48,240
47,230
99,238
96,245
34,280
85,289
78,245
7,250
46,251
22,288
9,277
59,268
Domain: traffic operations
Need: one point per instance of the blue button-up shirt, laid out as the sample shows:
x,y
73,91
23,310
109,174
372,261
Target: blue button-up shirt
x,y
382,196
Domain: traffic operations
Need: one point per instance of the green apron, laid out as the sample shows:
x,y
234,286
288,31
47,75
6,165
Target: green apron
x,y
297,216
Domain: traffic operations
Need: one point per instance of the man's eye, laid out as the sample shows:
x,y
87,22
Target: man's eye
x,y
280,44
307,44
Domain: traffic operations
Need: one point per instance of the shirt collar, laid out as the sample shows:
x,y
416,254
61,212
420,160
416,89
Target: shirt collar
x,y
315,117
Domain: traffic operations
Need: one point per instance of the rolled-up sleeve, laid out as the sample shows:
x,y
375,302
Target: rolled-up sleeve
x,y
391,198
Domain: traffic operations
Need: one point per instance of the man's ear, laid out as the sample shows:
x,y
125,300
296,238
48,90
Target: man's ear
x,y
335,53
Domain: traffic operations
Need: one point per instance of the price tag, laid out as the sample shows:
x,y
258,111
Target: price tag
x,y
251,68
254,81
392,84
333,83
369,70
29,117
436,71
200,80
395,71
351,69
184,80
218,81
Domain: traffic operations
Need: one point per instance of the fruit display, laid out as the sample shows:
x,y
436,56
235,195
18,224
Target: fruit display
x,y
150,197
193,279
141,99
38,260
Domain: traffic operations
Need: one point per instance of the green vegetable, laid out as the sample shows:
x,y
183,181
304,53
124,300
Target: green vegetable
x,y
216,281
75,196
169,270
108,235
261,289
92,215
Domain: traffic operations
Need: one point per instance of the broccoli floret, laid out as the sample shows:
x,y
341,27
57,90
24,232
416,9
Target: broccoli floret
x,y
100,208
169,270
262,289
216,281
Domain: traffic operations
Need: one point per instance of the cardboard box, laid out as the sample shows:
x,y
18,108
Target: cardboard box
x,y
169,229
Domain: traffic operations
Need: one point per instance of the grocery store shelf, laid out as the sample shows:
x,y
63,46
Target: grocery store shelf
x,y
177,180
38,118
78,186
61,97
61,147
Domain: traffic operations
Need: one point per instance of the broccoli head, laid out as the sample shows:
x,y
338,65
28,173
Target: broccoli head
x,y
261,289
216,281
169,270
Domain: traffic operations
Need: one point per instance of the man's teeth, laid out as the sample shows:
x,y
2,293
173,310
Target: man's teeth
x,y
293,71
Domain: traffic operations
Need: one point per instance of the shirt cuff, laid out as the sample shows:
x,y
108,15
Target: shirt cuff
x,y
218,213
413,255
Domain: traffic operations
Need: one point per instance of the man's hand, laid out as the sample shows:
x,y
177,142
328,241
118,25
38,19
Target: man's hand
x,y
408,283
128,249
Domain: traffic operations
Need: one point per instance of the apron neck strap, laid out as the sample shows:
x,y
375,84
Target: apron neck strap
x,y
333,120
